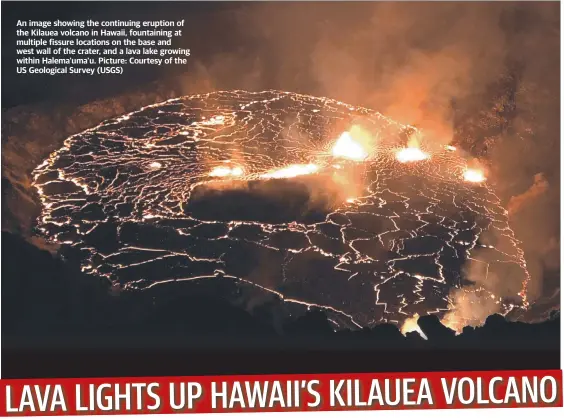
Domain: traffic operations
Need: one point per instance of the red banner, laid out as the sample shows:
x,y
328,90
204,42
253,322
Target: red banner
x,y
208,394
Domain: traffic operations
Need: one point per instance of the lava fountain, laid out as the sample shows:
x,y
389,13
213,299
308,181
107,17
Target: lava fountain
x,y
411,325
474,175
349,145
412,153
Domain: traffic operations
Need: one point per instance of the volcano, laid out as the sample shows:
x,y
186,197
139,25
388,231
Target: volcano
x,y
244,185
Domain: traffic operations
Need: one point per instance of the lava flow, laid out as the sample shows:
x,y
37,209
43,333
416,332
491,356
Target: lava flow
x,y
410,325
262,191
291,171
225,171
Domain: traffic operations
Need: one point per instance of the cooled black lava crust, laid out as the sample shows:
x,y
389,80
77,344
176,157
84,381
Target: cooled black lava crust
x,y
134,200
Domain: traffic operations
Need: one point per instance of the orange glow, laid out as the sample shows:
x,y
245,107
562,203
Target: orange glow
x,y
225,171
453,322
412,153
474,175
410,325
291,171
351,144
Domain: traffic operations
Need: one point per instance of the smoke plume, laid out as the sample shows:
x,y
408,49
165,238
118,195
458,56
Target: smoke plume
x,y
482,75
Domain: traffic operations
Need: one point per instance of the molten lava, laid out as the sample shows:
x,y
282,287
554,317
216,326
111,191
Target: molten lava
x,y
412,153
225,171
410,325
346,147
452,321
474,175
381,231
291,171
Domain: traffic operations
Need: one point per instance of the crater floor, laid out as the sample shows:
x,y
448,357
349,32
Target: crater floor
x,y
243,186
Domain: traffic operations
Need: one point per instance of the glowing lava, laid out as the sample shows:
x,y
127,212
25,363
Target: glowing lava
x,y
411,154
323,250
225,171
411,325
453,321
474,175
291,171
346,147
